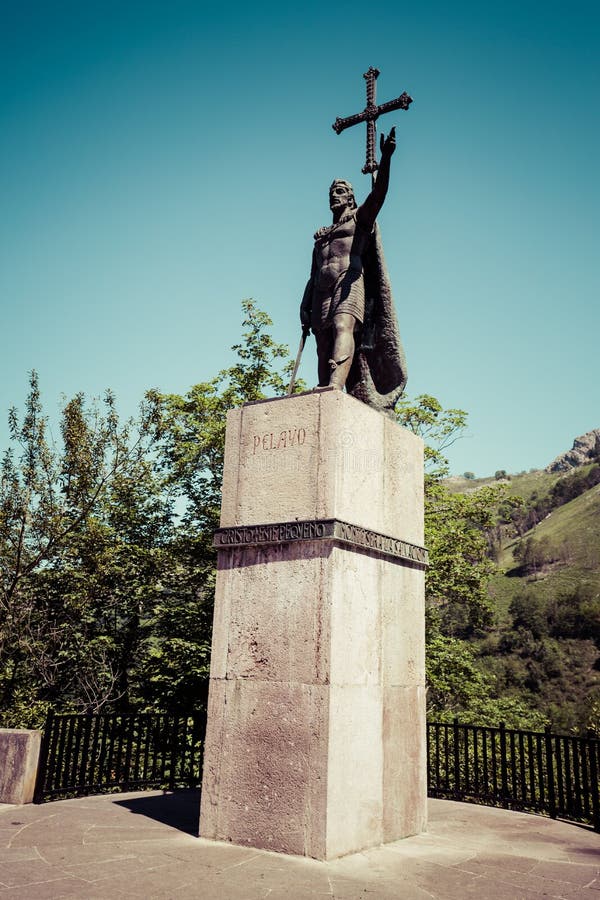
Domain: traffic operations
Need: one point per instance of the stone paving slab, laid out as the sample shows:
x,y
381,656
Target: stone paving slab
x,y
144,845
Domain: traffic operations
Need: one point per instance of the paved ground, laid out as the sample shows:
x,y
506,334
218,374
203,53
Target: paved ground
x,y
143,846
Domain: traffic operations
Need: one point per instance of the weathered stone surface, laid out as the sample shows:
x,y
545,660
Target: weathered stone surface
x,y
142,845
404,738
322,455
19,754
316,729
265,766
402,606
354,769
271,623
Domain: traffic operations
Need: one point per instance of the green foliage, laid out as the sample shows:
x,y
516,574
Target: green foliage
x,y
529,613
439,428
536,642
72,583
575,614
548,646
458,606
574,484
107,564
458,685
559,490
533,555
106,559
455,533
190,429
454,681
455,525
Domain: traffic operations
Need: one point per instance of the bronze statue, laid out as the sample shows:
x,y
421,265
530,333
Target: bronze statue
x,y
347,302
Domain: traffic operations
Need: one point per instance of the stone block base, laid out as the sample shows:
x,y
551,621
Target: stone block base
x,y
19,755
316,725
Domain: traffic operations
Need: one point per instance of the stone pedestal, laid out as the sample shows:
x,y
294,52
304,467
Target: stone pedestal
x,y
316,722
19,756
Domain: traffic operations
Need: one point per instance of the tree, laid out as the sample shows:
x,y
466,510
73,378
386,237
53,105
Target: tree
x,y
106,551
458,607
438,427
533,554
107,568
459,686
455,524
56,504
190,443
191,429
456,582
528,612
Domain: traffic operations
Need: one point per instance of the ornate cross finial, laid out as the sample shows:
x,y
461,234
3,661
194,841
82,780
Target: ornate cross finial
x,y
370,114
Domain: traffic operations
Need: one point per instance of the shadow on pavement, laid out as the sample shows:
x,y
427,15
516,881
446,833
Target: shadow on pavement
x,y
177,809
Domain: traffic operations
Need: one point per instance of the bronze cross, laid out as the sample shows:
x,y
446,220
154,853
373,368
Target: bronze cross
x,y
370,114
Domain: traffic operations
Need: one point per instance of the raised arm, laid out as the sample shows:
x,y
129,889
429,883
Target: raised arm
x,y
368,211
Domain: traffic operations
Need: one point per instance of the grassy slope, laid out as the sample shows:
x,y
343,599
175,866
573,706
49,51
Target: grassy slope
x,y
523,485
562,690
575,528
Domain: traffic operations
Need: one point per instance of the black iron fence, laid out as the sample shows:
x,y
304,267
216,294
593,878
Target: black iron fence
x,y
89,754
527,770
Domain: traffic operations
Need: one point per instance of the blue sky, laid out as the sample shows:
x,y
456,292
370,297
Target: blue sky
x,y
161,161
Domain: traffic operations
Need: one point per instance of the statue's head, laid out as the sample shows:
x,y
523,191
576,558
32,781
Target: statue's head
x,y
341,194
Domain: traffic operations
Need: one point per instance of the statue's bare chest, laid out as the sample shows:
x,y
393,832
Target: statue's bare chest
x,y
336,242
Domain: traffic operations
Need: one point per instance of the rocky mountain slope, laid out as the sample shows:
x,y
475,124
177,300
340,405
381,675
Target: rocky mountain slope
x,y
584,448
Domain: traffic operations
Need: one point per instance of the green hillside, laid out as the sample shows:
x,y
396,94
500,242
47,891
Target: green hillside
x,y
545,646
570,538
524,485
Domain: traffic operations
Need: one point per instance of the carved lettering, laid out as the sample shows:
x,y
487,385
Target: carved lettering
x,y
318,529
290,437
354,534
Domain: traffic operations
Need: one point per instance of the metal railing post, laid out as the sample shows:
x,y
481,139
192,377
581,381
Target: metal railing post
x,y
456,741
593,749
503,766
40,778
551,790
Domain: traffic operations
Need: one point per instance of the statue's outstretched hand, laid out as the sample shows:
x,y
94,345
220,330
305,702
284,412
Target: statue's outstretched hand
x,y
387,144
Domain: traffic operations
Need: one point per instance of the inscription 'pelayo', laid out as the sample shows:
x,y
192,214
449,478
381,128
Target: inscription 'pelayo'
x,y
282,440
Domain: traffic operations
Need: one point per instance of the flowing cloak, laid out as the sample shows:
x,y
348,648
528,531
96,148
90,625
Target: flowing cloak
x,y
378,373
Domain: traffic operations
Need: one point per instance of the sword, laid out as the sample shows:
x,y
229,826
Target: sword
x,y
305,333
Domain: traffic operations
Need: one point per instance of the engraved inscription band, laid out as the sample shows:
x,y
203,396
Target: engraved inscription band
x,y
317,530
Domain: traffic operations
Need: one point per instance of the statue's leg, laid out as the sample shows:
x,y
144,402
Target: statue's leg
x,y
324,339
343,349
342,355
